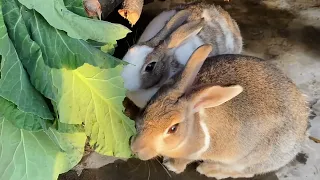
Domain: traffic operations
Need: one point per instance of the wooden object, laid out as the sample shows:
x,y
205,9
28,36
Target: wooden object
x,y
131,10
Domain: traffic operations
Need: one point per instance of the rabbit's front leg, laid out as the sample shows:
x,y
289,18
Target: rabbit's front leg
x,y
220,171
176,165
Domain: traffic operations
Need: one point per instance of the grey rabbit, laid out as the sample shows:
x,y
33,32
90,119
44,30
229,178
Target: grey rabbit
x,y
164,50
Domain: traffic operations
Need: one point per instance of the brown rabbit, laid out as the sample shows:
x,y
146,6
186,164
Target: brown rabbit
x,y
240,115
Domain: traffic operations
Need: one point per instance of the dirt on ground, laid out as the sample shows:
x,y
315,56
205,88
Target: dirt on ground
x,y
284,32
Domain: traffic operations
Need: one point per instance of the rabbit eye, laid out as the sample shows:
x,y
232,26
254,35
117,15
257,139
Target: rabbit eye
x,y
173,129
150,66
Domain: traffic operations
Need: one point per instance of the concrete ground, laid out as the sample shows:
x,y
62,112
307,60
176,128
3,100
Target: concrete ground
x,y
284,32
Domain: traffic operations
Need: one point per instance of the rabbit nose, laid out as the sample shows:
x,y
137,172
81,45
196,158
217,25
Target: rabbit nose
x,y
134,145
134,149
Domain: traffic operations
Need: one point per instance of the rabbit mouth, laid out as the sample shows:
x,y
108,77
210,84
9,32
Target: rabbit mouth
x,y
157,83
146,155
161,81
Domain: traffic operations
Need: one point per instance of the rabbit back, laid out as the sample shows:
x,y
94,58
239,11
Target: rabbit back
x,y
220,29
265,125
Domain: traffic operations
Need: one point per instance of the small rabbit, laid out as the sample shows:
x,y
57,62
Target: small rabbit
x,y
238,114
165,47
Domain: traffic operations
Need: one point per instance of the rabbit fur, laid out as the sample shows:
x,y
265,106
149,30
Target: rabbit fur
x,y
169,41
239,114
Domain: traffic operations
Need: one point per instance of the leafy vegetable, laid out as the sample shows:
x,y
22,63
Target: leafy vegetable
x,y
20,119
37,155
58,16
15,85
57,49
75,7
88,95
55,89
95,95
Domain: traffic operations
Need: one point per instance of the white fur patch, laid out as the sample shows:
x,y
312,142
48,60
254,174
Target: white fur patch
x,y
208,19
200,170
225,30
206,133
141,97
206,15
228,36
131,73
183,52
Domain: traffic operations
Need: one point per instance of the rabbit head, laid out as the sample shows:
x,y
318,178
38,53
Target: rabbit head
x,y
168,123
151,63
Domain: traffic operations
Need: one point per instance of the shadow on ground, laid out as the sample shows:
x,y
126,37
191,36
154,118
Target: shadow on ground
x,y
139,170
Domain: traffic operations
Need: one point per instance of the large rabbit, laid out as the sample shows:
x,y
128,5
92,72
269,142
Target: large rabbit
x,y
238,114
169,41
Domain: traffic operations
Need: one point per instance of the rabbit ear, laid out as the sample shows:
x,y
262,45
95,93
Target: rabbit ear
x,y
184,32
156,25
213,96
177,20
192,68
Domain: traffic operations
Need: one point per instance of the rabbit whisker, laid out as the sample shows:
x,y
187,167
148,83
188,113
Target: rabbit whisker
x,y
149,170
136,167
164,168
155,168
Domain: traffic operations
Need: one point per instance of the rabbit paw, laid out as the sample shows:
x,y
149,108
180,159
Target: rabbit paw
x,y
217,171
218,176
175,165
205,168
224,175
211,172
170,166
